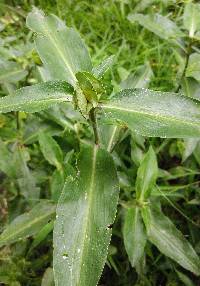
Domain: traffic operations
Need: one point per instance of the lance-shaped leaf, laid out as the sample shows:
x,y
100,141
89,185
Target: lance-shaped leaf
x,y
85,214
37,97
158,24
146,175
99,70
155,114
28,224
51,150
60,48
191,18
169,240
134,235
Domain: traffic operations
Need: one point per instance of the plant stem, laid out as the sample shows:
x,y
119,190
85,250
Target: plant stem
x,y
188,52
93,119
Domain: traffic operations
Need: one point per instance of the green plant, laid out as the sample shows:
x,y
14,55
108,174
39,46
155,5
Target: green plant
x,y
87,206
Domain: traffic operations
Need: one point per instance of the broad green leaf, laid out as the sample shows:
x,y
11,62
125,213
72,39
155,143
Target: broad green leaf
x,y
37,97
27,224
85,214
60,48
158,24
191,18
51,150
193,69
11,72
99,70
112,134
139,79
155,114
169,240
146,175
134,235
48,279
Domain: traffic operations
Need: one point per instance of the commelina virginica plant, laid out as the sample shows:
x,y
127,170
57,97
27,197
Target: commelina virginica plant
x,y
87,206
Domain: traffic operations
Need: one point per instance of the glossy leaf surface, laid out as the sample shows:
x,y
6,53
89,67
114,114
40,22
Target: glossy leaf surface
x,y
85,213
60,48
134,235
169,240
155,114
37,97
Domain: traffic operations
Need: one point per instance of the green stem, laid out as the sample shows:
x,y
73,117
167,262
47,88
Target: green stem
x,y
93,120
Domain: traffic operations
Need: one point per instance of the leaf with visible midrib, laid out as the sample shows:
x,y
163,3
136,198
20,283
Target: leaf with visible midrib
x,y
169,240
37,97
146,175
85,212
134,235
51,150
28,223
60,48
155,114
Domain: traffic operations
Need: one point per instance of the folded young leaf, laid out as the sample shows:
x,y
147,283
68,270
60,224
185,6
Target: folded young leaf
x,y
85,214
134,235
28,224
37,97
146,175
60,48
191,18
155,114
158,24
169,240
